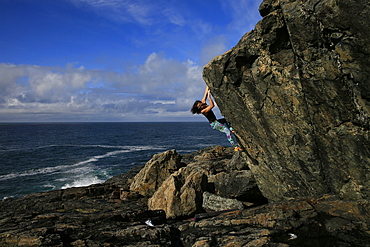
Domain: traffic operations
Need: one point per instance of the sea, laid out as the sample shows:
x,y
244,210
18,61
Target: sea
x,y
36,157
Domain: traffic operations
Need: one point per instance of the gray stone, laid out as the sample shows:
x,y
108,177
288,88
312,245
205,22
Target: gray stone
x,y
212,202
155,171
233,184
180,194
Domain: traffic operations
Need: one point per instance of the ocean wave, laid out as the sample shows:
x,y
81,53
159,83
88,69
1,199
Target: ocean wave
x,y
84,181
129,148
31,172
39,157
89,160
49,186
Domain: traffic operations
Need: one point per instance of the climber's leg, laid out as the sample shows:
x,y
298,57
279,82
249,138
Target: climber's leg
x,y
220,127
227,124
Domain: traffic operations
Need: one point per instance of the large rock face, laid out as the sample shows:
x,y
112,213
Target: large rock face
x,y
155,171
296,90
181,194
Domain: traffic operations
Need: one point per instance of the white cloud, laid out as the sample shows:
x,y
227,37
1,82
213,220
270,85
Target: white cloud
x,y
55,86
143,12
174,17
244,13
161,88
213,48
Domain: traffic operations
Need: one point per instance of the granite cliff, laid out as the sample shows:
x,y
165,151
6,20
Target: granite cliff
x,y
296,90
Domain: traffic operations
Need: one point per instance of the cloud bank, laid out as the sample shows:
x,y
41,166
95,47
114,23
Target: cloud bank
x,y
126,43
161,89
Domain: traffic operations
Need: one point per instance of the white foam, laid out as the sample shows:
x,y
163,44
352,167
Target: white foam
x,y
29,173
50,186
129,148
85,181
63,168
7,197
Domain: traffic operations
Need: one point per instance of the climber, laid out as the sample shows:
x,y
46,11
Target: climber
x,y
200,106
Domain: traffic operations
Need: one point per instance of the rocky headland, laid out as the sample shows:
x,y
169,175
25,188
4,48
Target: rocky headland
x,y
296,91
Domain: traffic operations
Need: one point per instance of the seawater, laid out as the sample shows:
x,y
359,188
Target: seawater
x,y
37,157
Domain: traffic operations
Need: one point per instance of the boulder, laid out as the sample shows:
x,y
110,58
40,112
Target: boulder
x,y
237,162
233,184
238,185
296,91
155,171
212,202
181,194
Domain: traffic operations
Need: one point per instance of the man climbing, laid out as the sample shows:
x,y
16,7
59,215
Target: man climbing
x,y
200,106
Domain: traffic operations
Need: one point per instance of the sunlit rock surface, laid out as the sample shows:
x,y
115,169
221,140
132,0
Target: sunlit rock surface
x,y
296,89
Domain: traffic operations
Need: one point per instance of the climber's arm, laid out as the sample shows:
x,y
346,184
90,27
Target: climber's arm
x,y
211,103
206,94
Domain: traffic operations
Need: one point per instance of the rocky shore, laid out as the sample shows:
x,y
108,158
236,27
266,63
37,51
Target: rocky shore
x,y
206,198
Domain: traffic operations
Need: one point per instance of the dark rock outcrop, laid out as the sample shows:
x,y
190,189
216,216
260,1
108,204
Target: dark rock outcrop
x,y
236,184
322,222
110,215
296,90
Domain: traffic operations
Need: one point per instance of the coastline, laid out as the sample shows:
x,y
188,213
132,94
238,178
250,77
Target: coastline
x,y
110,214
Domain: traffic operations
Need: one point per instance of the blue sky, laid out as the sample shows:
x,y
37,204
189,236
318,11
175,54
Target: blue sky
x,y
112,60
